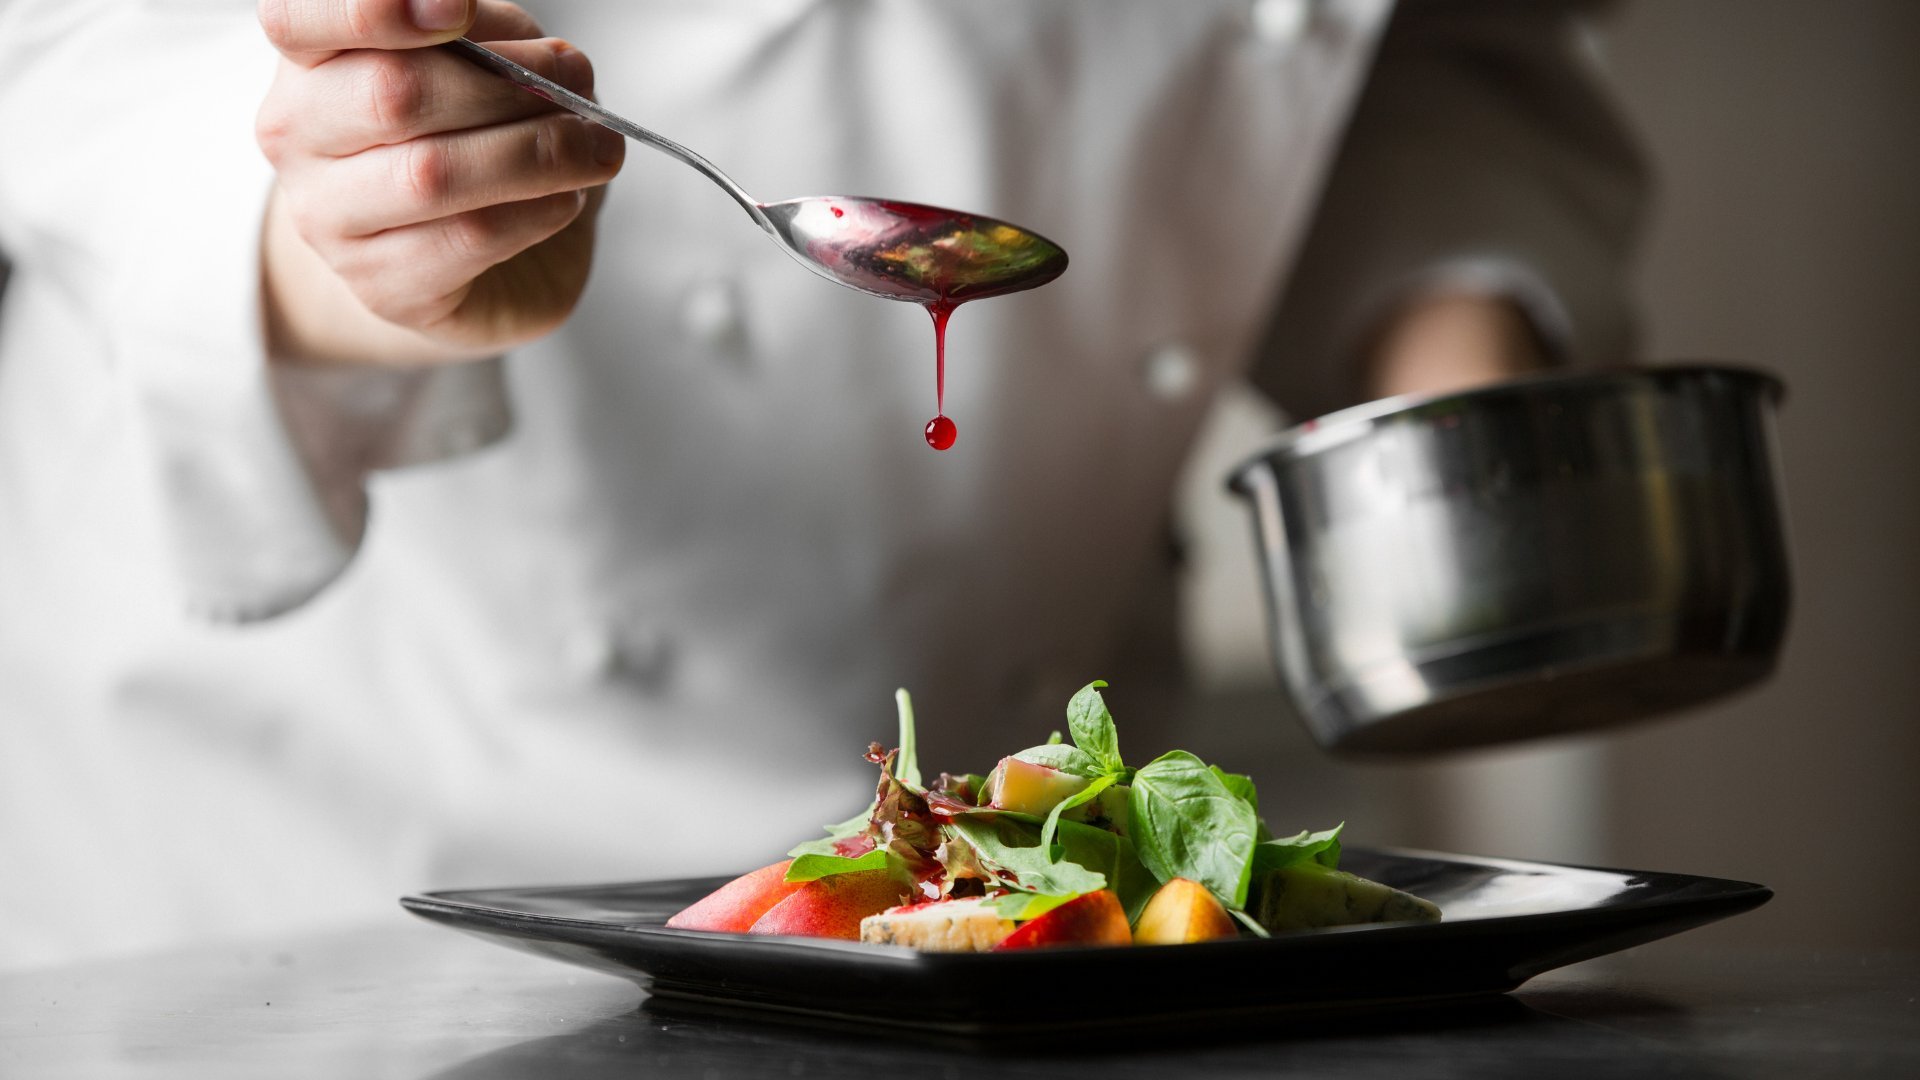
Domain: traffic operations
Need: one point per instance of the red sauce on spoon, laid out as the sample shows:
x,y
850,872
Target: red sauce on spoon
x,y
937,258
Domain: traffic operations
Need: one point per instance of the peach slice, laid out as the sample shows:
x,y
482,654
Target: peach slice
x,y
735,905
1094,918
832,906
1182,911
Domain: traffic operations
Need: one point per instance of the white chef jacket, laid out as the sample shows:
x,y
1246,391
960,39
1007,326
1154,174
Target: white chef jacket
x,y
278,645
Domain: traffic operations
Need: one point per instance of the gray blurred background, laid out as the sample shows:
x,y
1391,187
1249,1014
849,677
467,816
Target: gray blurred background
x,y
1786,234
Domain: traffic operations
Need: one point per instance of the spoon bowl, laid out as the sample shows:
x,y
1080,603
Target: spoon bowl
x,y
884,247
909,251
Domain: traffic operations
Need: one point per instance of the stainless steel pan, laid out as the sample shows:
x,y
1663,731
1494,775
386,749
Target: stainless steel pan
x,y
1535,557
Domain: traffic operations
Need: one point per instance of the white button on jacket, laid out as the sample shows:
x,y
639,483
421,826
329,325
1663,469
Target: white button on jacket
x,y
276,646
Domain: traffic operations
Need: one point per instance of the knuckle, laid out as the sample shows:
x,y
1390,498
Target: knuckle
x,y
548,149
382,302
350,264
396,92
472,237
359,21
278,124
373,282
310,221
425,172
272,131
276,20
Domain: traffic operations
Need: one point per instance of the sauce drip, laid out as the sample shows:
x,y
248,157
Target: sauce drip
x,y
941,431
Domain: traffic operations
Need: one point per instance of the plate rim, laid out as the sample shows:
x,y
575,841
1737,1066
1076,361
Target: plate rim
x,y
1732,896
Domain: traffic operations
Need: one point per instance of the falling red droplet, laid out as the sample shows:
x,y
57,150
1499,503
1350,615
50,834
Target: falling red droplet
x,y
837,212
941,433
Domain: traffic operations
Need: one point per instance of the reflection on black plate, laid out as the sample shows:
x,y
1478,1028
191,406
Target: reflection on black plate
x,y
1505,922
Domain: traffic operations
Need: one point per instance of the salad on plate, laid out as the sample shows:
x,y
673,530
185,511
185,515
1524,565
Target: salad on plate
x,y
1059,844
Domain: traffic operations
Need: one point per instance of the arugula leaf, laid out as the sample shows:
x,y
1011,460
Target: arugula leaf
x,y
811,867
1322,847
1014,848
907,768
1068,759
1084,795
1019,906
1114,857
1186,822
1091,725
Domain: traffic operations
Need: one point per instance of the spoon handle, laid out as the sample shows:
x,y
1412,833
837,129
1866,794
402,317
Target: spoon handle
x,y
559,95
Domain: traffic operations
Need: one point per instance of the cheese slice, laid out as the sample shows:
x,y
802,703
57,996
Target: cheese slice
x,y
970,925
1306,895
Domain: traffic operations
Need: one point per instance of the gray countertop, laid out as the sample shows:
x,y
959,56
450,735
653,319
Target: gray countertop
x,y
406,1000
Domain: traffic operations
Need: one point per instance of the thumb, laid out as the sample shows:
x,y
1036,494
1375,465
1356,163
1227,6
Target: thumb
x,y
308,31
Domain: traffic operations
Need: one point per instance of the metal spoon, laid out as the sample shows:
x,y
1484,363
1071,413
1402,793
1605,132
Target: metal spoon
x,y
897,250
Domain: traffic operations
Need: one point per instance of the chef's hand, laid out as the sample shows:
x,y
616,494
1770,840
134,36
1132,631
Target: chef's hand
x,y
1445,341
425,210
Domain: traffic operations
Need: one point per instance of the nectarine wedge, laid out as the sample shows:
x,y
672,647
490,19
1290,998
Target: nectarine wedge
x,y
737,904
1094,918
1182,911
832,906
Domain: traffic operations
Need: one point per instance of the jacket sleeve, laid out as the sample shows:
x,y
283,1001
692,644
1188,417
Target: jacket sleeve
x,y
146,202
1481,156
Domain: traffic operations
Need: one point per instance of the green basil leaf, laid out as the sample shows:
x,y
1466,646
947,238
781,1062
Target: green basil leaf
x,y
1068,759
1240,784
1322,847
814,867
1020,906
1114,857
1185,822
1013,848
1053,738
1084,795
1091,726
907,768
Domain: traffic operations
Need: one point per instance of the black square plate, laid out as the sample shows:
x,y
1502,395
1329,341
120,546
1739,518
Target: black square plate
x,y
1505,922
